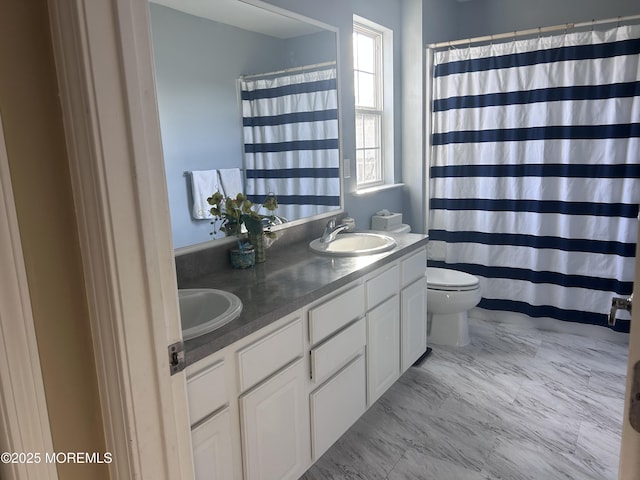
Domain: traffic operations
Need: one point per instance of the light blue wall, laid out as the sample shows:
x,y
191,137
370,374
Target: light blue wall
x,y
425,21
314,48
486,17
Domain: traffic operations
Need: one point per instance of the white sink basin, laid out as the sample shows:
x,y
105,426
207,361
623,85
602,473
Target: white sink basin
x,y
202,310
354,244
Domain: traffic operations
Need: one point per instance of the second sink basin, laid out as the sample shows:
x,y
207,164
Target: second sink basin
x,y
354,244
203,310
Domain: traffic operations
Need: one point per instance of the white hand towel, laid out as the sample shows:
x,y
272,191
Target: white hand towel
x,y
232,183
204,183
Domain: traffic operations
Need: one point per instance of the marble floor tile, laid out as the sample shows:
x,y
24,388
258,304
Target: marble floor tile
x,y
605,356
538,369
369,450
551,397
472,380
599,448
578,404
607,383
621,340
456,355
418,465
456,437
509,341
517,403
604,410
508,421
511,460
420,387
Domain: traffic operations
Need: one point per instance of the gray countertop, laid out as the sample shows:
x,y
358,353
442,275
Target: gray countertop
x,y
288,280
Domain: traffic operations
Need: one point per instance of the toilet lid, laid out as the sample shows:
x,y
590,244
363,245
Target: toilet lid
x,y
445,279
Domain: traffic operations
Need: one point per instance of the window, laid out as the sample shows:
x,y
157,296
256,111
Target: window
x,y
372,108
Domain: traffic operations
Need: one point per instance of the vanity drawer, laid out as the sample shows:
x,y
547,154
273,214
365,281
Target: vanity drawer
x,y
414,267
265,356
335,313
206,391
336,405
383,286
331,355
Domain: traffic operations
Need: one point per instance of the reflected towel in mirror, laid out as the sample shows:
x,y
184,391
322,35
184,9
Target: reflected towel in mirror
x,y
204,183
231,181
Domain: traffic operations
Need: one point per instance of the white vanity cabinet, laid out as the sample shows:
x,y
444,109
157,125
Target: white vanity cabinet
x,y
212,452
269,405
383,343
209,412
274,409
396,321
383,330
337,404
337,335
413,311
275,426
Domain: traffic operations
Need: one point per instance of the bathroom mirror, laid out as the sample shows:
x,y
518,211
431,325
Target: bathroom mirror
x,y
247,95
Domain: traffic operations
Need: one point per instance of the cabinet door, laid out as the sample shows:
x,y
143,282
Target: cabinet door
x,y
212,456
414,322
275,426
383,347
337,404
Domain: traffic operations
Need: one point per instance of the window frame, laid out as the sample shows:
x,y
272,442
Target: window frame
x,y
383,109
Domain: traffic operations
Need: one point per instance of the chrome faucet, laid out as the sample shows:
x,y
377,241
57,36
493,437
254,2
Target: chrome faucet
x,y
330,231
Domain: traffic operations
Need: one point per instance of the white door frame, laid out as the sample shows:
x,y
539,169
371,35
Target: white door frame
x,y
24,420
630,448
104,63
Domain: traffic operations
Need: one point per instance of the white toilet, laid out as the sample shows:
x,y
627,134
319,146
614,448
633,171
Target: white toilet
x,y
450,294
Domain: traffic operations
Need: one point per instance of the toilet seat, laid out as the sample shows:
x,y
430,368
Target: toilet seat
x,y
450,280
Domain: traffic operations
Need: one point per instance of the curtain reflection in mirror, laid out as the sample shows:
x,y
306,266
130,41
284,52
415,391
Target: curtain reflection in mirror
x,y
291,147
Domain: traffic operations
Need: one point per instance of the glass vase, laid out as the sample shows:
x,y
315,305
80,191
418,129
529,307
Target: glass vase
x,y
257,240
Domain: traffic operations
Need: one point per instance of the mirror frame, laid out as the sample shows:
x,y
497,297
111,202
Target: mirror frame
x,y
228,241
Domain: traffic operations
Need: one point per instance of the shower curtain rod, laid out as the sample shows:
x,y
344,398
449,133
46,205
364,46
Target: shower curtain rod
x,y
289,70
533,31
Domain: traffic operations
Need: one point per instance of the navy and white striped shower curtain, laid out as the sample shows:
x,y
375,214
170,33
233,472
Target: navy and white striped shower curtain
x,y
535,171
291,142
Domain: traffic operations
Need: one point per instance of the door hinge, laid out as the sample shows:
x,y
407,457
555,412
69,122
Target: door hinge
x,y
634,404
177,361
